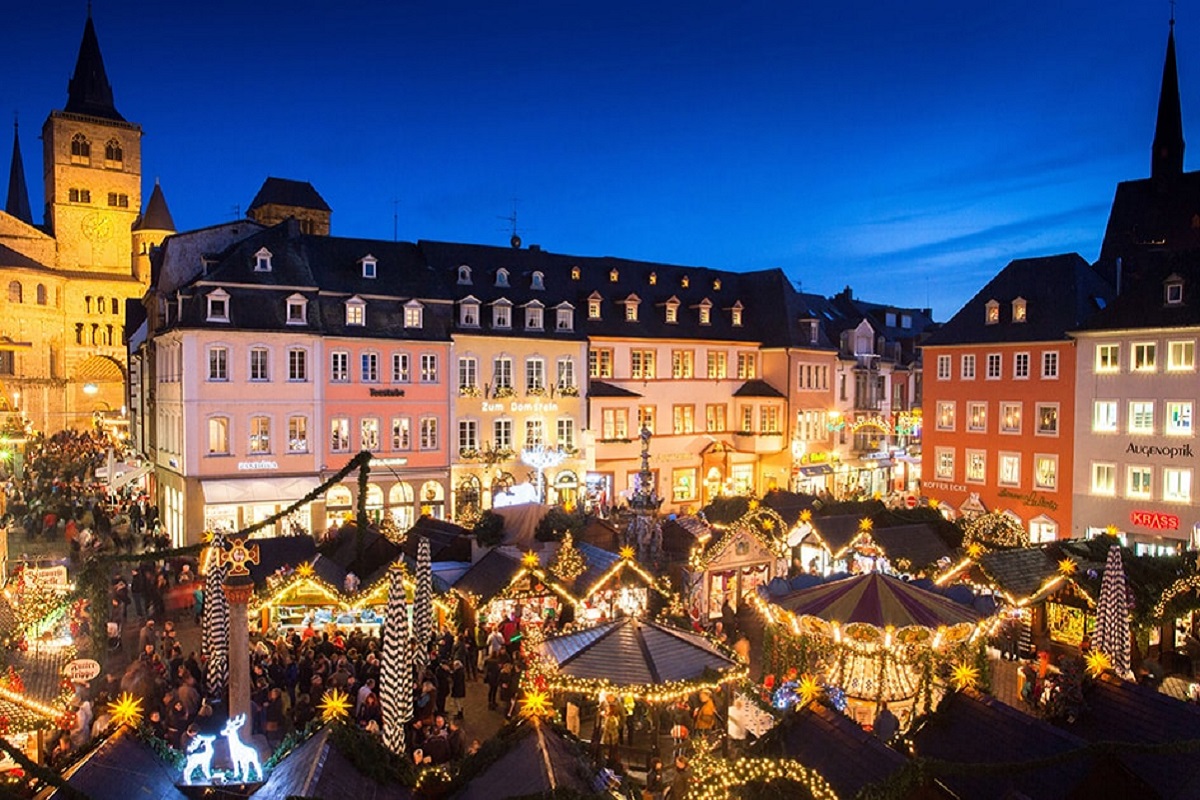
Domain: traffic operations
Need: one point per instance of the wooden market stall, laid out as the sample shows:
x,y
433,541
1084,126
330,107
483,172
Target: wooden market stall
x,y
729,563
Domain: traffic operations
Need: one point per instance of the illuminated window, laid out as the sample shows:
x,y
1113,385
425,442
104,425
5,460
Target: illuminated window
x,y
705,310
746,366
339,435
991,313
683,485
468,435
218,436
1045,472
1010,469
297,434
681,363
1141,416
1143,357
429,433
1179,418
977,417
1177,485
502,434
1104,479
1140,482
576,273
614,275
645,418
714,418
614,424
976,466
1181,356
566,433
945,415
1108,358
683,419
401,433
641,364
260,435
429,368
672,312
356,312
414,314
593,308
736,315
600,363
1018,309
631,310
716,364
1010,417
944,466
535,432
1104,416
1047,419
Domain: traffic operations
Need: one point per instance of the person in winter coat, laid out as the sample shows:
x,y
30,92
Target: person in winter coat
x,y
458,687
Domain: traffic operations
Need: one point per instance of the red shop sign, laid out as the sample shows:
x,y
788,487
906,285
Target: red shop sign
x,y
1155,520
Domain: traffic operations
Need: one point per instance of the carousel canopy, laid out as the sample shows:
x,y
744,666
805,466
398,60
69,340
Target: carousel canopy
x,y
629,652
879,600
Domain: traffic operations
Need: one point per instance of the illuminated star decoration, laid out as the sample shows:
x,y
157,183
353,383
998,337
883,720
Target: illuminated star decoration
x,y
1112,530
627,552
1067,566
1098,663
126,710
767,523
974,550
536,705
806,515
964,676
305,570
335,706
530,559
865,524
934,502
808,689
237,556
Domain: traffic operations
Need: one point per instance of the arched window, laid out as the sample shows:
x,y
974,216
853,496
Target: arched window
x,y
14,292
95,333
113,154
81,149
41,294
78,333
466,497
108,335
433,500
87,302
400,502
115,306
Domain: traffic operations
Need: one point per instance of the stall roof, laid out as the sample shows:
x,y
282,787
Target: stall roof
x,y
630,652
538,763
488,576
919,544
317,769
598,562
122,767
447,541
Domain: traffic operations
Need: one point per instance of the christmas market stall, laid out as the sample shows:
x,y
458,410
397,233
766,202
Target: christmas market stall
x,y
729,563
852,544
612,584
507,584
642,665
872,638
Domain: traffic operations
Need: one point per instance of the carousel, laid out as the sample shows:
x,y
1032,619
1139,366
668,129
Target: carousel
x,y
872,638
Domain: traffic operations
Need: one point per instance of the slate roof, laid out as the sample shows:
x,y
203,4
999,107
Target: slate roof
x,y
317,769
287,192
920,544
488,576
1021,572
837,531
1142,302
541,761
789,505
279,551
598,562
369,561
1150,216
603,389
119,768
955,733
628,652
17,202
157,216
834,745
1061,292
89,91
758,388
1117,710
447,541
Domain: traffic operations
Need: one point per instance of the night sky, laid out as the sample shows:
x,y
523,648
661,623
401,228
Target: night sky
x,y
909,149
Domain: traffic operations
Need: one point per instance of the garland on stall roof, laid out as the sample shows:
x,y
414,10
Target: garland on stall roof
x,y
40,773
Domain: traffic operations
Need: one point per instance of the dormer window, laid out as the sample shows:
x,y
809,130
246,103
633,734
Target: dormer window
x,y
368,266
717,285
705,309
262,260
991,313
594,306
685,281
813,328
613,275
464,275
653,278
889,319
736,314
502,277
502,314
414,314
218,306
1018,310
673,310
533,316
356,311
297,310
576,273
564,317
537,281
1173,290
468,312
906,319
631,308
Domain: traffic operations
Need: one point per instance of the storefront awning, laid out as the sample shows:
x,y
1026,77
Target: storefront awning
x,y
819,469
258,490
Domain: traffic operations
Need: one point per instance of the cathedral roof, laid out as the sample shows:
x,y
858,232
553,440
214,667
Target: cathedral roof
x,y
18,191
285,192
157,216
89,91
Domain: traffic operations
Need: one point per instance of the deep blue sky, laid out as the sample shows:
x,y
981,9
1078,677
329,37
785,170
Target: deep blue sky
x,y
909,149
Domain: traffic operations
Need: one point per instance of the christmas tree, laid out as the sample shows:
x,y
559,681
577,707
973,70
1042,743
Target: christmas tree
x,y
568,563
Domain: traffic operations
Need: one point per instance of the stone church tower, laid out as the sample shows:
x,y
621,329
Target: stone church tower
x,y
64,284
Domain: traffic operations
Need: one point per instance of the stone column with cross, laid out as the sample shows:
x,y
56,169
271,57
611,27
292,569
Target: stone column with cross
x,y
239,586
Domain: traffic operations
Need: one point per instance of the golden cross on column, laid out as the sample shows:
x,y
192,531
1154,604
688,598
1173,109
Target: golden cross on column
x,y
236,556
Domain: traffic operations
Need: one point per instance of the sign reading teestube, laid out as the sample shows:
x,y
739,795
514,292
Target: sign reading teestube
x,y
1155,520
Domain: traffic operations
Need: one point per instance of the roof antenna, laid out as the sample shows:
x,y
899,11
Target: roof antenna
x,y
1172,13
237,211
511,219
395,220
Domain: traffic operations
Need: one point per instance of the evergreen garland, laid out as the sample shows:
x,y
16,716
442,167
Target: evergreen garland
x,y
395,691
568,562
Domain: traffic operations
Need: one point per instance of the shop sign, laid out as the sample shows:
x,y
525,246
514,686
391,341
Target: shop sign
x,y
1155,520
387,393
55,577
945,487
1184,450
389,462
81,670
819,457
520,407
251,466
1032,499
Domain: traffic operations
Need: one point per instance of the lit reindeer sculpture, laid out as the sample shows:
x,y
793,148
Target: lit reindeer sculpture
x,y
199,756
243,756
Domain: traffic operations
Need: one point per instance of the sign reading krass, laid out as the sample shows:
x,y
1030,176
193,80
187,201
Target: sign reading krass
x,y
1155,520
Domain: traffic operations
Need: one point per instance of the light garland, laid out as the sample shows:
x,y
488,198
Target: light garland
x,y
49,712
619,566
758,522
1181,586
716,779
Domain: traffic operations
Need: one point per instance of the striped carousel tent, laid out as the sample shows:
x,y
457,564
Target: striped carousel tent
x,y
879,600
